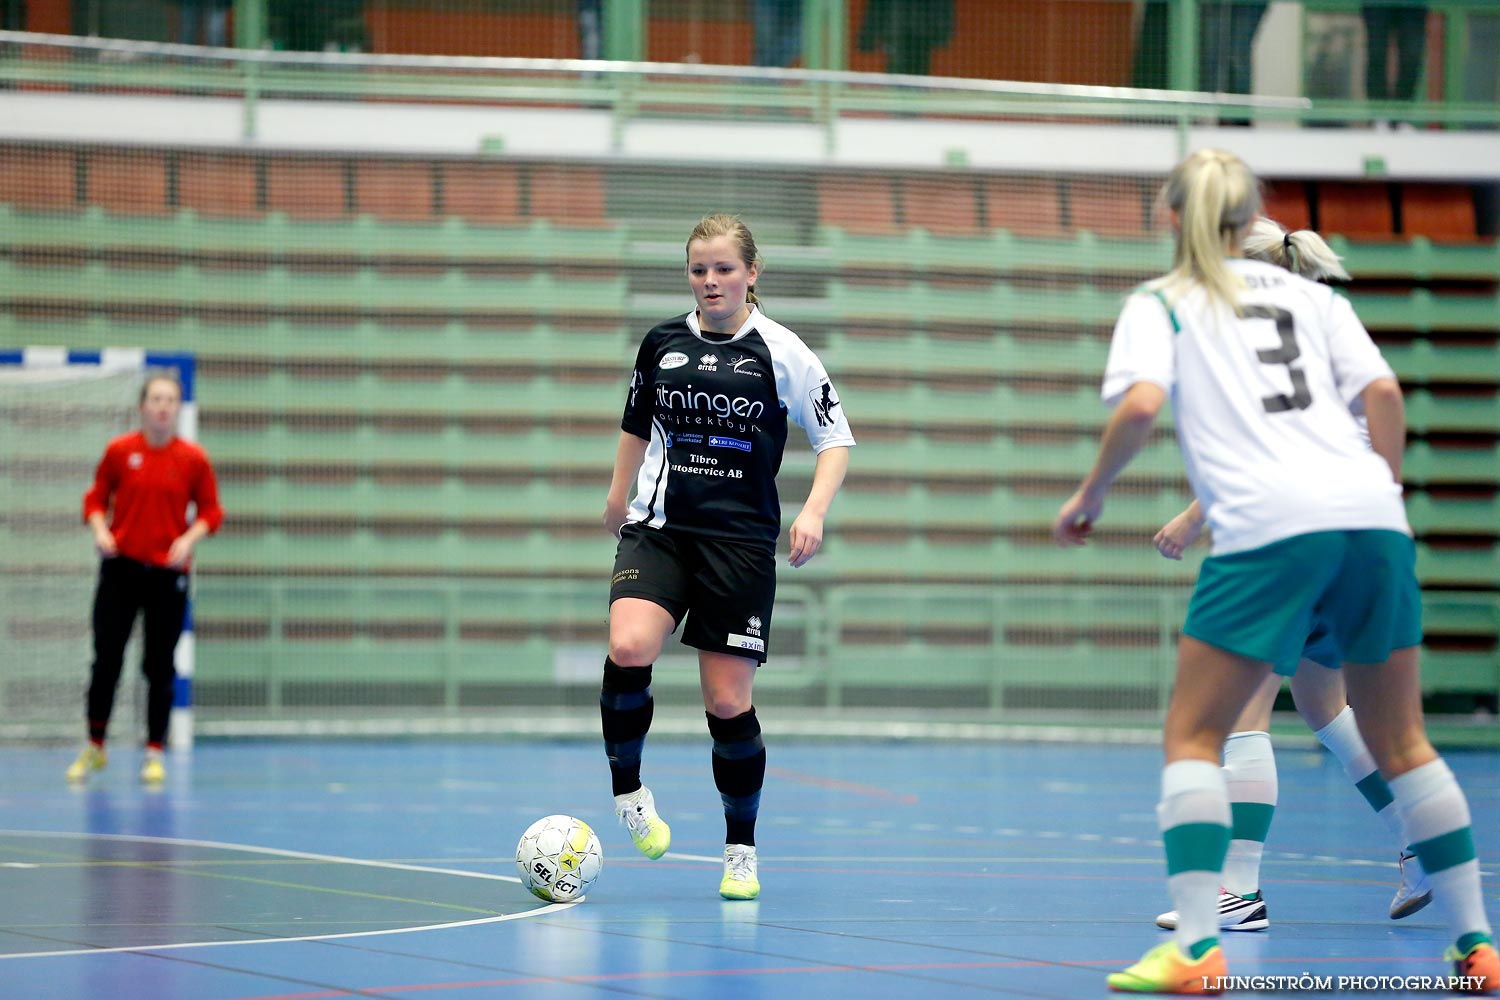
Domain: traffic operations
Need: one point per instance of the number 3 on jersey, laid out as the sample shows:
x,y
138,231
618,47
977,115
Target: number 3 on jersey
x,y
1283,354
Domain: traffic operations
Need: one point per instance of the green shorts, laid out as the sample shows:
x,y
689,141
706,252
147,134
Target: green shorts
x,y
1321,647
1359,586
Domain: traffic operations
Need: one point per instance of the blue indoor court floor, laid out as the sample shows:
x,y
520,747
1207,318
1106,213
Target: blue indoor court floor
x,y
287,870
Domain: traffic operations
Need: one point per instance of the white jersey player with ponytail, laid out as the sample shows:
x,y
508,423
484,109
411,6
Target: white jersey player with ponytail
x,y
1317,686
1261,367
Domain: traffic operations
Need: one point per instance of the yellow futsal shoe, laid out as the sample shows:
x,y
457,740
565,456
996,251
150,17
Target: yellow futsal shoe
x,y
1479,967
91,759
648,831
740,879
153,768
1165,969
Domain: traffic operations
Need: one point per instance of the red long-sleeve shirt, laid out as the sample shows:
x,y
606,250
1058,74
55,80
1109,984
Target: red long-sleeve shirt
x,y
151,488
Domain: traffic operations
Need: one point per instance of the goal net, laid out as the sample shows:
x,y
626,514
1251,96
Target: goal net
x,y
58,409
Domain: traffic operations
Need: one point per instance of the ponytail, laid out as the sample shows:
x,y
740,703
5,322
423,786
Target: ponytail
x,y
1215,197
1303,253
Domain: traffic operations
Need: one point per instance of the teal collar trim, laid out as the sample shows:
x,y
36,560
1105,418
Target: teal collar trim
x,y
1176,326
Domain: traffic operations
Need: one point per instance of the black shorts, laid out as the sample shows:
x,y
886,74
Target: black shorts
x,y
724,589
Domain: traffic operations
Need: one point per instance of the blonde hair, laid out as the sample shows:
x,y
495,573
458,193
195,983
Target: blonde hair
x,y
1303,252
1215,197
711,226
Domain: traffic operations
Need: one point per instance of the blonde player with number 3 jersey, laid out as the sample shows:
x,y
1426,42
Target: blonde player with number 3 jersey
x,y
1261,366
1317,686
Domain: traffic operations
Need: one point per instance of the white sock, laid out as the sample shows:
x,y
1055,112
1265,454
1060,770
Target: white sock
x,y
1436,818
1342,738
1194,818
1250,777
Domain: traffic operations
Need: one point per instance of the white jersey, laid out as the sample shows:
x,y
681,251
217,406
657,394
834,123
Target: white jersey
x,y
1262,405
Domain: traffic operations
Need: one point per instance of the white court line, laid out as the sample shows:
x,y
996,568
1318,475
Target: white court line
x,y
278,852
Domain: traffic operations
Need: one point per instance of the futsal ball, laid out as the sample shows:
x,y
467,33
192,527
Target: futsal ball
x,y
559,857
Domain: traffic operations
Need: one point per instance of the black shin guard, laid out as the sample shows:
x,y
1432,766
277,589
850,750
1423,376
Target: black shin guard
x,y
739,773
625,707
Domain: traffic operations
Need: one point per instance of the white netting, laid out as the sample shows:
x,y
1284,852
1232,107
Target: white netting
x,y
54,424
415,287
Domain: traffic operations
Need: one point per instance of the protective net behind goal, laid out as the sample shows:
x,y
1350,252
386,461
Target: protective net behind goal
x,y
415,338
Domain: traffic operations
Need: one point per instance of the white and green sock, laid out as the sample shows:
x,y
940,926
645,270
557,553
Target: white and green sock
x,y
1194,818
1342,738
1436,819
1250,777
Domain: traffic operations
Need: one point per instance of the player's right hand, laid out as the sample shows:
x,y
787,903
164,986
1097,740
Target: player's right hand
x,y
1076,519
104,543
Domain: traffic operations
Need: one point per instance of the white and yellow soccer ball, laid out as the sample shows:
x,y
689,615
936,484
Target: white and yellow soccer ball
x,y
559,857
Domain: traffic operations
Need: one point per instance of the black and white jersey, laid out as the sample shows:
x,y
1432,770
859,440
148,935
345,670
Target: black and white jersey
x,y
714,410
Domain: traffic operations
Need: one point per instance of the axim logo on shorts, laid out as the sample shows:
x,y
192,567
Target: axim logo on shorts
x,y
744,642
722,442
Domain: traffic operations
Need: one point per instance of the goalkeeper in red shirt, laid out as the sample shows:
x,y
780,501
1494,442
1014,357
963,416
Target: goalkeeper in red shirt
x,y
137,510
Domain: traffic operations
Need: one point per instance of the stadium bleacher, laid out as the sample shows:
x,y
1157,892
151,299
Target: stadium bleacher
x,y
413,369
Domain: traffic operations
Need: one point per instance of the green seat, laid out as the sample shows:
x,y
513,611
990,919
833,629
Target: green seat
x,y
938,556
999,508
989,457
1003,355
1469,464
1009,646
920,250
1423,311
389,549
1420,259
922,303
1463,641
1476,565
1461,613
1428,411
377,444
1419,361
362,290
220,345
982,407
276,235
1460,671
537,500
335,393
1460,513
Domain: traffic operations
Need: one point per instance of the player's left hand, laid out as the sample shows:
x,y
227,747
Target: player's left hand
x,y
806,538
180,552
1076,519
1177,534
